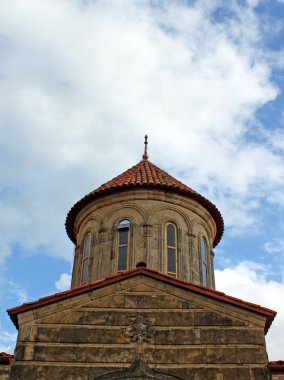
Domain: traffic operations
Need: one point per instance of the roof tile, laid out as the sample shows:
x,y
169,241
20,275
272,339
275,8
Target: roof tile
x,y
276,367
144,174
6,359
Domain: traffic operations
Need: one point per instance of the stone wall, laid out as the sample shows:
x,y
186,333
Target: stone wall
x,y
168,331
4,372
149,211
5,365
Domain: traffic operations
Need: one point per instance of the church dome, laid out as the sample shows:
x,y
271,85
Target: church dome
x,y
144,215
144,175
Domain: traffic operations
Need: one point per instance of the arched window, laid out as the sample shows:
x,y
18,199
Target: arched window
x,y
204,262
123,244
171,248
85,260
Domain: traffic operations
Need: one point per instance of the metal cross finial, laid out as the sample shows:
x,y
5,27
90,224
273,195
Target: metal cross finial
x,y
145,155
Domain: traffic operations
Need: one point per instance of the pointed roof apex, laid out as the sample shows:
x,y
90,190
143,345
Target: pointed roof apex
x,y
145,155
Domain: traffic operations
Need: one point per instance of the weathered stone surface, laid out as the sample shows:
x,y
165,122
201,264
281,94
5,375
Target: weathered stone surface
x,y
178,336
109,302
247,336
183,338
67,334
238,373
259,373
55,372
138,370
140,302
214,336
86,354
149,211
217,355
209,318
4,372
19,372
251,355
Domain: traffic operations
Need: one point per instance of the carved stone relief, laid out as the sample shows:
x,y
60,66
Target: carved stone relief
x,y
142,333
140,330
138,370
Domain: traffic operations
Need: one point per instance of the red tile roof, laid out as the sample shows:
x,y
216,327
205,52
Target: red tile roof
x,y
6,359
121,276
144,175
276,367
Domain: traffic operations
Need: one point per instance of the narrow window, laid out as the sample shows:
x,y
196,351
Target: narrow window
x,y
123,243
204,261
171,247
85,261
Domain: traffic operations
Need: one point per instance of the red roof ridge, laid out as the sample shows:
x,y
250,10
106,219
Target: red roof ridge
x,y
203,290
279,362
276,366
6,359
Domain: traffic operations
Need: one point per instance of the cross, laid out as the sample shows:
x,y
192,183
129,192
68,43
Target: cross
x,y
145,155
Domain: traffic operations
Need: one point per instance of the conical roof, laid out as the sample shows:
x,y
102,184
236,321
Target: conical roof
x,y
144,175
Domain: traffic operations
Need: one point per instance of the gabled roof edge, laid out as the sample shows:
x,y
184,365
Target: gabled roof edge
x,y
199,289
276,367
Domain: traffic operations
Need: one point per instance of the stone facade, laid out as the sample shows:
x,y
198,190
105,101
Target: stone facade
x,y
143,323
5,365
140,326
4,372
148,211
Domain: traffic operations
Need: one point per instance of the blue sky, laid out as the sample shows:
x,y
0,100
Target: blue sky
x,y
81,82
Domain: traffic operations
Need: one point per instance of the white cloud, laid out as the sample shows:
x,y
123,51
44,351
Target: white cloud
x,y
80,86
64,282
17,292
83,81
275,246
86,80
5,252
7,341
249,281
277,136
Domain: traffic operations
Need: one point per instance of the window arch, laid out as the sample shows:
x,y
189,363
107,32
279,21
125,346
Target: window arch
x,y
204,262
171,249
85,259
123,244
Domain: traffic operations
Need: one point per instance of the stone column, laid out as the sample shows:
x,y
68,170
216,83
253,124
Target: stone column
x,y
132,251
185,262
161,248
195,262
91,267
212,272
76,269
147,232
181,269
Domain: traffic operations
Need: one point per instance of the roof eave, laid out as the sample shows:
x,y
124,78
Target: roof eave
x,y
202,290
89,198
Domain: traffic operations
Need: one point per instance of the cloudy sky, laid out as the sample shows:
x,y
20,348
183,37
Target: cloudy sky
x,y
82,81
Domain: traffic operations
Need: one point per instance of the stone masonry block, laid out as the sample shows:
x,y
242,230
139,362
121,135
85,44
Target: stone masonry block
x,y
209,318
